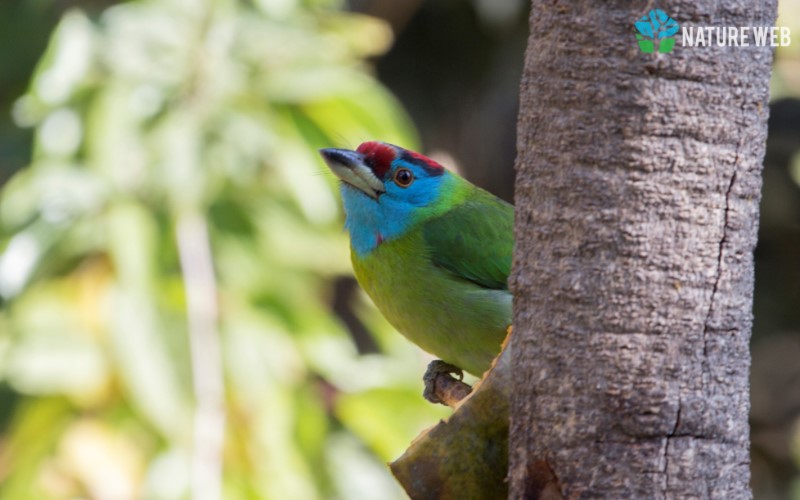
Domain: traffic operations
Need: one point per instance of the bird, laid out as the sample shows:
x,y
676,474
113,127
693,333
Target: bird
x,y
432,250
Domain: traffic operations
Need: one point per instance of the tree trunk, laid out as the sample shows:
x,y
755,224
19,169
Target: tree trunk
x,y
637,197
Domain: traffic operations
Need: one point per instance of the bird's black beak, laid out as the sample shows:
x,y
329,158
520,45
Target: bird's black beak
x,y
351,167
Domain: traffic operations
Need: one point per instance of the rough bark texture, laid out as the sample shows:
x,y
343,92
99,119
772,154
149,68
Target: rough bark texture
x,y
637,197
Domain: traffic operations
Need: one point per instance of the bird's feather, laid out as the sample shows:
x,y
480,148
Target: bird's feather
x,y
474,240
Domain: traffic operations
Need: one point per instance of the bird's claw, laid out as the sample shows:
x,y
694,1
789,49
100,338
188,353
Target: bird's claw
x,y
440,385
437,367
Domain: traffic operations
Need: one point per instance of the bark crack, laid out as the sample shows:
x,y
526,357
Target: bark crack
x,y
720,256
671,435
720,251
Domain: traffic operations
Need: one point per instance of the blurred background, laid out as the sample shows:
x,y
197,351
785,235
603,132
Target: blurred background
x,y
177,312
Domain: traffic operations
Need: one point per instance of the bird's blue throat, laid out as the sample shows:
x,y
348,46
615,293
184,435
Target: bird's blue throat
x,y
371,222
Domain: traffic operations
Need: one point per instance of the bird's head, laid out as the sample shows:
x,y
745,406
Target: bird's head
x,y
384,188
378,170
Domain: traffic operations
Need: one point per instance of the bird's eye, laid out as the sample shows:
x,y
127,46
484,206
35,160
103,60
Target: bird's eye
x,y
403,177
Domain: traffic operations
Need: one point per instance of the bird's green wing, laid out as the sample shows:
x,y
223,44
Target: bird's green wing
x,y
474,240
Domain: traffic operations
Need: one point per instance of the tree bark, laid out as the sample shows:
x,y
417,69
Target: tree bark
x,y
637,197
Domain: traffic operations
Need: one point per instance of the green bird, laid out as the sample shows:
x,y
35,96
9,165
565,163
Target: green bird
x,y
432,250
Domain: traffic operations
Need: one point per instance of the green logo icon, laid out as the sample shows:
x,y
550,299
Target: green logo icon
x,y
655,32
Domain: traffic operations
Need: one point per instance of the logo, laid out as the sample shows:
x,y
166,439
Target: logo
x,y
655,32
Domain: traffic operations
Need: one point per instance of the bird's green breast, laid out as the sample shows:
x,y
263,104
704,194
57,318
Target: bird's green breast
x,y
449,316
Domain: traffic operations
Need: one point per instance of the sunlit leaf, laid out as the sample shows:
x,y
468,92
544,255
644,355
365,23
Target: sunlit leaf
x,y
137,342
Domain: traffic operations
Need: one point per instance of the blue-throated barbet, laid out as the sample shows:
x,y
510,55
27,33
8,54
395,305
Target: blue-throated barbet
x,y
432,250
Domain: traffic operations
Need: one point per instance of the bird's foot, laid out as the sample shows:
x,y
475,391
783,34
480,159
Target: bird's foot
x,y
441,387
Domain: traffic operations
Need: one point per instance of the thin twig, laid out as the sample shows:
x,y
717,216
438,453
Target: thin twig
x,y
206,358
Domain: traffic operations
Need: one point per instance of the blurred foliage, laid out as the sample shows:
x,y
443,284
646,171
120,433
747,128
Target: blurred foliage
x,y
153,110
775,393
